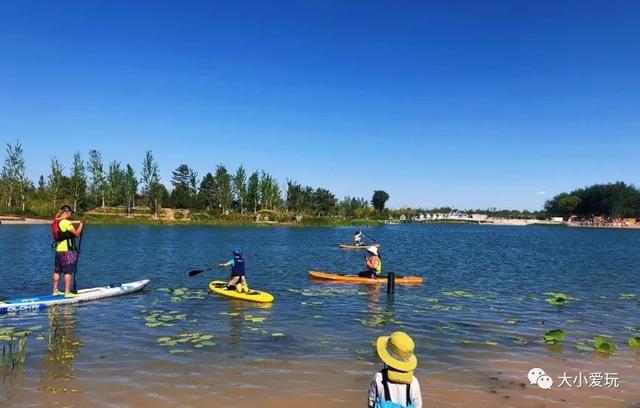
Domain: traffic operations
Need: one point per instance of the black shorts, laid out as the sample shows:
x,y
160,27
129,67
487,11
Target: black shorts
x,y
66,262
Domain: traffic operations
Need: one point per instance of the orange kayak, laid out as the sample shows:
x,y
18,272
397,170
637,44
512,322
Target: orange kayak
x,y
336,277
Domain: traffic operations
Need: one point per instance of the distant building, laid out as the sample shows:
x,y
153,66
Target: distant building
x,y
479,217
557,219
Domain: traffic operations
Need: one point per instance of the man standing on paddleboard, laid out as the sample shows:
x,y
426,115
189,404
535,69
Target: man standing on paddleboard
x,y
66,259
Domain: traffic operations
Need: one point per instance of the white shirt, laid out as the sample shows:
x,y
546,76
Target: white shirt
x,y
398,391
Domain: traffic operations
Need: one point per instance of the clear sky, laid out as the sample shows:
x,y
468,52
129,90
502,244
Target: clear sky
x,y
469,104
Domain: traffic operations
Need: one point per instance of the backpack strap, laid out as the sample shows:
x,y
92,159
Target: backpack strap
x,y
385,384
408,394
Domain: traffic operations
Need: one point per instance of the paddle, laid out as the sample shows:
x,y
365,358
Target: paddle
x,y
75,286
199,271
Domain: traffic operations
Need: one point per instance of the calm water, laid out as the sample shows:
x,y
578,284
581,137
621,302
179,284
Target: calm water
x,y
314,330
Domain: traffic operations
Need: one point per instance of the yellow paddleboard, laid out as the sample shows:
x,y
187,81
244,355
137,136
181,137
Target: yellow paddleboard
x,y
220,288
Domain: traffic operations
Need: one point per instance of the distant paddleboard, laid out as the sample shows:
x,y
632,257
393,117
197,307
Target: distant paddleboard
x,y
351,246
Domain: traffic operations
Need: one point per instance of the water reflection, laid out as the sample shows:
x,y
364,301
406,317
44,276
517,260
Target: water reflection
x,y
63,346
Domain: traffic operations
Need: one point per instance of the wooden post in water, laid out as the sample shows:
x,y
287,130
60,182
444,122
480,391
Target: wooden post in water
x,y
391,283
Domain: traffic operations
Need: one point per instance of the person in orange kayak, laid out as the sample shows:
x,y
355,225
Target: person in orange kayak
x,y
372,264
66,260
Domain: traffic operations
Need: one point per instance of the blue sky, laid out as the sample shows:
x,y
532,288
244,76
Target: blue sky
x,y
469,104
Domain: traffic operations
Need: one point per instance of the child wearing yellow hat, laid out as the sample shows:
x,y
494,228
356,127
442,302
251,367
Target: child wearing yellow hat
x,y
395,385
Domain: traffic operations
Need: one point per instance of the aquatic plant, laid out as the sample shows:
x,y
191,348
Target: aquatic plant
x,y
196,340
554,336
157,318
603,345
459,293
634,342
14,349
182,294
558,299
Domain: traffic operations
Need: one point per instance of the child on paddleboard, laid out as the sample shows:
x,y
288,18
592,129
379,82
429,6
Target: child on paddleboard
x,y
395,385
237,279
66,258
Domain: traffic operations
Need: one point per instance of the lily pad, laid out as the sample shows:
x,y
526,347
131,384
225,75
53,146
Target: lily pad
x,y
634,342
519,340
554,336
603,345
558,299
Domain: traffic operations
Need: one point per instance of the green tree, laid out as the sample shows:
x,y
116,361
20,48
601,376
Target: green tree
x,y
379,200
116,184
78,181
183,181
324,202
240,187
351,207
13,177
131,183
153,190
253,191
98,185
56,182
208,191
223,194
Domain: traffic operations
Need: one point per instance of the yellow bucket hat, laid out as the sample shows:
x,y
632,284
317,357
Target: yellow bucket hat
x,y
396,351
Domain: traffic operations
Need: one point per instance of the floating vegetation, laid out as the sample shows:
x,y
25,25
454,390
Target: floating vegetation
x,y
554,336
181,294
327,292
459,293
157,318
634,342
277,334
195,340
519,340
627,296
603,345
253,319
512,321
558,299
432,300
377,320
14,350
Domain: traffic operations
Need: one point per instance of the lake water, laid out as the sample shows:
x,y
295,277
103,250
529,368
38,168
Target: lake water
x,y
477,319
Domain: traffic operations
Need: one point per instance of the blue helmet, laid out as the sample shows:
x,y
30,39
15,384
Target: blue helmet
x,y
237,251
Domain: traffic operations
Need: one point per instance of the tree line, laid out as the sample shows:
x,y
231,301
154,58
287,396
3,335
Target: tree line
x,y
95,183
612,200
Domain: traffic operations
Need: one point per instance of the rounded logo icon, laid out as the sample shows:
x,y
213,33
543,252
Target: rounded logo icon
x,y
534,374
545,382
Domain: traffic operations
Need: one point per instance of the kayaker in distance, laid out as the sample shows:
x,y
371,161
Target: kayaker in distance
x,y
237,279
395,385
357,238
372,264
66,259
